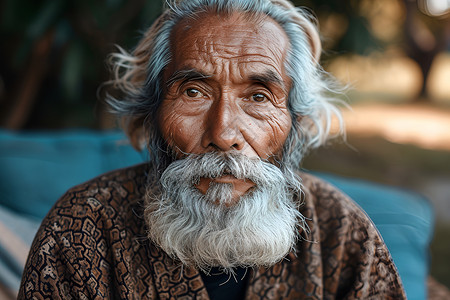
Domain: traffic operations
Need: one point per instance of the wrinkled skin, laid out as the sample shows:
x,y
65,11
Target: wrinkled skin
x,y
227,90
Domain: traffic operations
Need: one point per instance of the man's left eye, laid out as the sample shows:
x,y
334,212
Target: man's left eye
x,y
193,93
259,97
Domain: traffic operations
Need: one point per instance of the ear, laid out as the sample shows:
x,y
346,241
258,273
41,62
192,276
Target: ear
x,y
135,131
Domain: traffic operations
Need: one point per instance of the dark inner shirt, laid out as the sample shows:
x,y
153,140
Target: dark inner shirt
x,y
222,286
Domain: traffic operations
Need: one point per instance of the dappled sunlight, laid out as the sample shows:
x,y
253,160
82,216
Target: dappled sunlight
x,y
397,76
385,17
435,7
439,80
378,79
392,76
423,126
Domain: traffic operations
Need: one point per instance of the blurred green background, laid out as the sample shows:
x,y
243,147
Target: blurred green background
x,y
393,53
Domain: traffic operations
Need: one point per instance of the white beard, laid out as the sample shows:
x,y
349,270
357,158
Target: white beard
x,y
257,231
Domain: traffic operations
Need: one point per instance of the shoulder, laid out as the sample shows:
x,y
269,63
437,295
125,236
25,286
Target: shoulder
x,y
78,238
337,217
101,210
112,192
328,202
126,183
348,242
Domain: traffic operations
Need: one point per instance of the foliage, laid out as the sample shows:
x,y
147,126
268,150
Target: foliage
x,y
53,55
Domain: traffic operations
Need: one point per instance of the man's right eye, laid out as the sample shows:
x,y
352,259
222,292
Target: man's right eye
x,y
193,93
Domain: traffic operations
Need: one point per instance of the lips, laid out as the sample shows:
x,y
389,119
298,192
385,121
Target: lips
x,y
226,178
240,186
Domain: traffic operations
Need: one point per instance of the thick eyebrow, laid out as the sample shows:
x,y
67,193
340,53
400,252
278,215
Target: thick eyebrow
x,y
185,75
268,77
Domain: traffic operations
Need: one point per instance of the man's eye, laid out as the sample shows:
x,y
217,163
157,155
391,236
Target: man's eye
x,y
259,97
193,93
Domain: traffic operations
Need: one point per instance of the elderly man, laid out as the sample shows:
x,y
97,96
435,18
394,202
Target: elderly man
x,y
228,96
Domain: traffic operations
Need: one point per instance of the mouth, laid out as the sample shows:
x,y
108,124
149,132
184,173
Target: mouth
x,y
226,173
240,186
226,178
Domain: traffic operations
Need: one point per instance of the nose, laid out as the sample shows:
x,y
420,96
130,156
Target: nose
x,y
223,127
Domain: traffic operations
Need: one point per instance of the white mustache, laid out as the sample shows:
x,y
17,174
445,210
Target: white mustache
x,y
215,164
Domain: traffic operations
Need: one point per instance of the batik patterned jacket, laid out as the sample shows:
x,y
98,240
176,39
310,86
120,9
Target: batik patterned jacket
x,y
93,245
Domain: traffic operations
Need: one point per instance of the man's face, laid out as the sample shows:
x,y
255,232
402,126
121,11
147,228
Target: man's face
x,y
227,91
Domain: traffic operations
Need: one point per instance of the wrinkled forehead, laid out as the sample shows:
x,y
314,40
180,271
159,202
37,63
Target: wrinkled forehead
x,y
208,24
238,29
229,35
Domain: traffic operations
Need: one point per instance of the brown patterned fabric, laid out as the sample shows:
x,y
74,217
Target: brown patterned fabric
x,y
93,245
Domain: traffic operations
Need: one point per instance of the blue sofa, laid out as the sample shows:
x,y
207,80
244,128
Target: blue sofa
x,y
36,168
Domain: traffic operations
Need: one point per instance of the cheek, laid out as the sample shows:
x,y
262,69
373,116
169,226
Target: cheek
x,y
280,127
269,132
178,130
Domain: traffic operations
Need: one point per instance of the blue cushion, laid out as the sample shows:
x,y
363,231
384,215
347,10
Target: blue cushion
x,y
405,221
38,167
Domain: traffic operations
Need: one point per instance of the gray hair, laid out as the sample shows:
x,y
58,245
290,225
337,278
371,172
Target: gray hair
x,y
138,76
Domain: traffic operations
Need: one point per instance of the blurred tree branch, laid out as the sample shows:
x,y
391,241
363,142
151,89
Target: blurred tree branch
x,y
25,93
421,44
53,54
